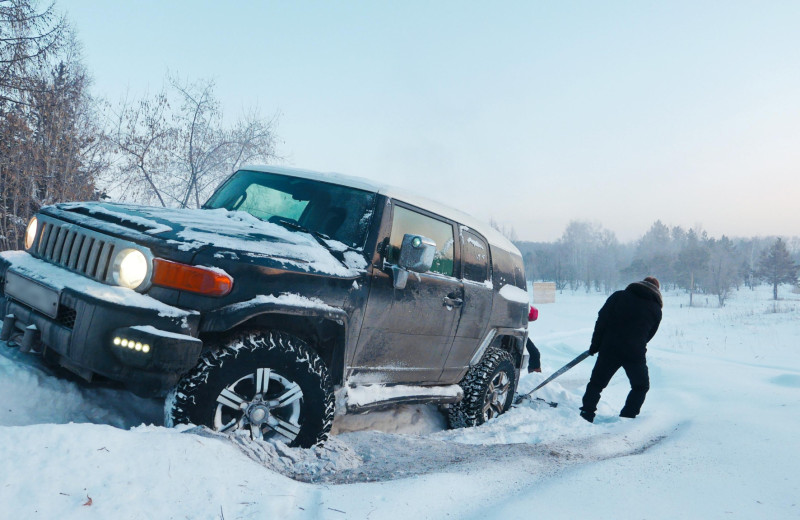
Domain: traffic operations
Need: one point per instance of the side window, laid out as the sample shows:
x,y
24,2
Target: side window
x,y
474,257
406,221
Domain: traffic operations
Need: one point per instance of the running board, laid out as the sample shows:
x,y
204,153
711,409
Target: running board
x,y
368,397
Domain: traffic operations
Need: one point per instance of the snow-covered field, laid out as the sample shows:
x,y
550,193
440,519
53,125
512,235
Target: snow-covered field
x,y
717,438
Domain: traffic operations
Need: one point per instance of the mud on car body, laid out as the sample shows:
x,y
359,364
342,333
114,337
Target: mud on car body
x,y
290,296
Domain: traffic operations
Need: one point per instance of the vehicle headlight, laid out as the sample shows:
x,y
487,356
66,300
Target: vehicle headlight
x,y
30,232
130,268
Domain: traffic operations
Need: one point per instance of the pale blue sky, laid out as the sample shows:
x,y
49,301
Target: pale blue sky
x,y
533,113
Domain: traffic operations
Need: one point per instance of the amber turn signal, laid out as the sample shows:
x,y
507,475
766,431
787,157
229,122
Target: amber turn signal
x,y
191,278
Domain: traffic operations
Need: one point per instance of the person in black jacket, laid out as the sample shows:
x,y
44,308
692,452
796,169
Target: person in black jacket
x,y
625,324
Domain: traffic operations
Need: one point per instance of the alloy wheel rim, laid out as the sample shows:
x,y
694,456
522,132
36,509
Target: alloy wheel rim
x,y
496,396
263,402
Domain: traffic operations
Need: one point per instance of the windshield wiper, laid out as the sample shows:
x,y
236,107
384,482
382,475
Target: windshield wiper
x,y
321,238
296,227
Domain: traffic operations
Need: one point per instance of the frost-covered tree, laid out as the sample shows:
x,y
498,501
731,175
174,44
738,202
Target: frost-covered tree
x,y
507,231
586,256
654,255
49,146
29,38
173,148
722,268
691,262
579,242
605,266
777,267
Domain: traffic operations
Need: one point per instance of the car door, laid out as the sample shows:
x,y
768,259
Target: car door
x,y
476,270
406,333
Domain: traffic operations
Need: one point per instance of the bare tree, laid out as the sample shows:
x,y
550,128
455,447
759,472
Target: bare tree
x,y
589,249
49,150
605,264
507,231
141,137
28,39
173,148
722,268
691,262
655,255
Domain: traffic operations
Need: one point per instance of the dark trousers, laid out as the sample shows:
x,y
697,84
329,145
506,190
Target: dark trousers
x,y
534,361
604,369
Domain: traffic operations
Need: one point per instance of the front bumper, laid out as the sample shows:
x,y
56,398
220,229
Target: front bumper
x,y
95,329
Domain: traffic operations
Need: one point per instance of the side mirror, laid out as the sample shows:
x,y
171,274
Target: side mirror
x,y
416,254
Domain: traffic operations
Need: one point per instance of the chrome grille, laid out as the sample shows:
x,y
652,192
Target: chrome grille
x,y
76,249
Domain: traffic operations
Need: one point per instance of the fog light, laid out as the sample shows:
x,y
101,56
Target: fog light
x,y
132,344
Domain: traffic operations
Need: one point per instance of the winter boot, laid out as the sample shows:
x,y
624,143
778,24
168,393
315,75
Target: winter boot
x,y
589,416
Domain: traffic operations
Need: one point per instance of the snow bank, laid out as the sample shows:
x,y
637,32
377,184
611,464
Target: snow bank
x,y
715,440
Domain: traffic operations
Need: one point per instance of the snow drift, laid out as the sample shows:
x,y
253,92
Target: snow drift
x,y
716,439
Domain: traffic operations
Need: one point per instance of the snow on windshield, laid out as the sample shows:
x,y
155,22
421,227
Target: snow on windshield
x,y
339,212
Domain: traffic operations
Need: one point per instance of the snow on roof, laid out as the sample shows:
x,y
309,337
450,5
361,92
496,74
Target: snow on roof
x,y
492,235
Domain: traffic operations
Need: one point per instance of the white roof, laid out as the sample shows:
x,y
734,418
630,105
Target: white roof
x,y
492,235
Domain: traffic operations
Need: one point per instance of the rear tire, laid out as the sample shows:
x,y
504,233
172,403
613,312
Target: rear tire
x,y
270,384
488,390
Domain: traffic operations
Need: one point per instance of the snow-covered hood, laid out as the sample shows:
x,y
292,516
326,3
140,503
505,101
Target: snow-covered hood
x,y
228,233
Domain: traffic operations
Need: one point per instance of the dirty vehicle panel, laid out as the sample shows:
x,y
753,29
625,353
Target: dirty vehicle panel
x,y
385,296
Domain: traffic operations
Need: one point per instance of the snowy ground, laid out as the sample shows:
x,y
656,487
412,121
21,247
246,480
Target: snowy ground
x,y
717,439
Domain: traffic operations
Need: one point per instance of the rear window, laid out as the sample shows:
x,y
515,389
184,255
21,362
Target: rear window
x,y
474,257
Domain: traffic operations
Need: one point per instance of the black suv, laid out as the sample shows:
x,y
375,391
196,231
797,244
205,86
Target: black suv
x,y
291,295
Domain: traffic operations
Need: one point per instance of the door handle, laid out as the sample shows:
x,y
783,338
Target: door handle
x,y
453,302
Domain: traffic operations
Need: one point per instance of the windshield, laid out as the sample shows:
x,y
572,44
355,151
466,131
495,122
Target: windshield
x,y
337,212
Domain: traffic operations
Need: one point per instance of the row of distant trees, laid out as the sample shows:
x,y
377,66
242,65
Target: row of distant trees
x,y
59,143
589,257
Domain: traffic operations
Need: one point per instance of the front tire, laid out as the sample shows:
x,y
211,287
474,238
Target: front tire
x,y
270,384
488,390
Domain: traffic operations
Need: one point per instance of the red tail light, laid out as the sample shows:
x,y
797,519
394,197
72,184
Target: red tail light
x,y
533,314
191,278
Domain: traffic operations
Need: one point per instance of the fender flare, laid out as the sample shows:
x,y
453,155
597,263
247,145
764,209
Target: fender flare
x,y
228,317
519,334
